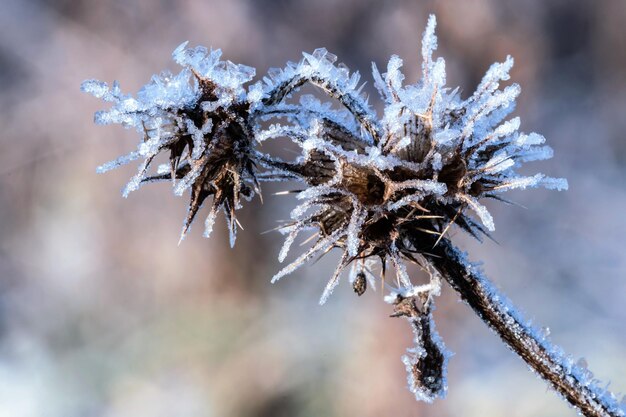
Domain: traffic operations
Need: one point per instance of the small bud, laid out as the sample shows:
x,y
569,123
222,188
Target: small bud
x,y
428,370
360,284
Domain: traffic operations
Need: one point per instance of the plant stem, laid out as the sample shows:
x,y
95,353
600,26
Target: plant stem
x,y
573,382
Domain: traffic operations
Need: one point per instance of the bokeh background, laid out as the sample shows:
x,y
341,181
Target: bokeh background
x,y
102,314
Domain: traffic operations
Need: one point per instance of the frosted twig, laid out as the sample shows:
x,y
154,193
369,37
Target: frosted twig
x,y
545,359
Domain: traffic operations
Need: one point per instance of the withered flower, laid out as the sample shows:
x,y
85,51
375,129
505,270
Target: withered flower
x,y
392,189
199,118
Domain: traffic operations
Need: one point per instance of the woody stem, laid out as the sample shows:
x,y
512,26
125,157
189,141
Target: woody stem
x,y
547,360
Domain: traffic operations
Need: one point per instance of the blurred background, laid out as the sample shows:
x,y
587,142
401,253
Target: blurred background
x,y
102,314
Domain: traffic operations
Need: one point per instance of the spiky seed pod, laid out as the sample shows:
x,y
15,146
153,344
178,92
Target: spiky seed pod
x,y
360,284
430,158
199,118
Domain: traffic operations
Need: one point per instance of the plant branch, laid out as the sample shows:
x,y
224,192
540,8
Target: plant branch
x,y
573,382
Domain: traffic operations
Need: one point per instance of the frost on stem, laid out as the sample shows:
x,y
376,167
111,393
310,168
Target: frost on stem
x,y
570,378
385,190
426,363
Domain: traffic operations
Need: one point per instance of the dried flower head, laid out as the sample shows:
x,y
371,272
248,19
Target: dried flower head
x,y
385,188
200,119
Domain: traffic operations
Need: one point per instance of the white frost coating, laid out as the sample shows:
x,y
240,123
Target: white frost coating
x,y
277,130
198,136
320,68
424,116
255,93
418,352
481,211
334,280
430,155
497,72
507,128
135,182
317,191
394,76
380,85
539,153
354,227
499,99
232,231
184,184
400,267
538,180
320,246
429,45
424,132
559,362
432,288
446,136
207,64
301,209
122,160
530,139
98,89
436,162
163,169
427,186
287,244
558,184
405,201
209,222
500,162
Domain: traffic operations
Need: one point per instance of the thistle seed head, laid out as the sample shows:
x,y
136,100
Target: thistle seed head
x,y
406,178
198,118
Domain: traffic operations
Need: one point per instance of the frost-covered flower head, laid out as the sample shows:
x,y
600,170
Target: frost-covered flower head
x,y
199,118
392,187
